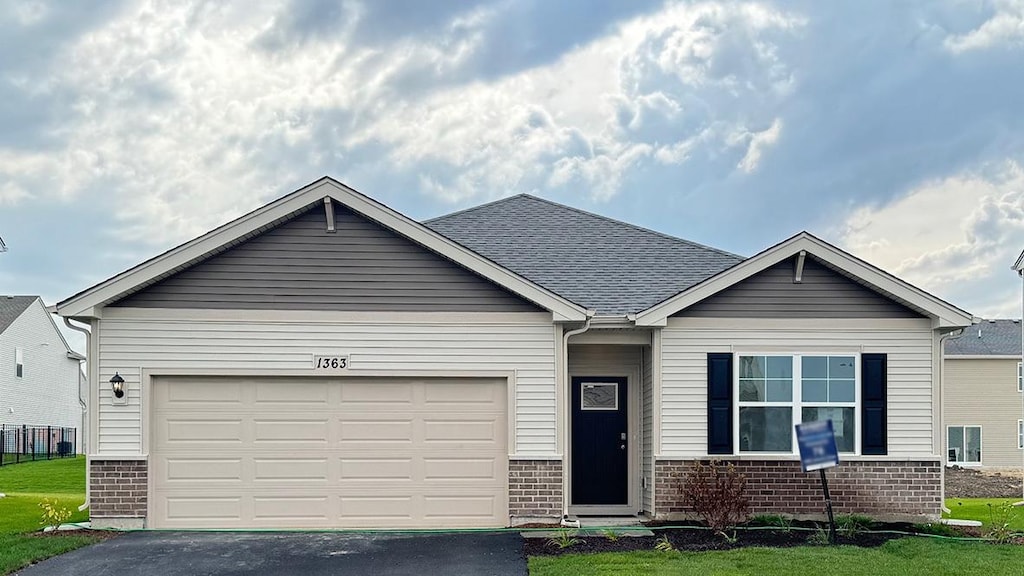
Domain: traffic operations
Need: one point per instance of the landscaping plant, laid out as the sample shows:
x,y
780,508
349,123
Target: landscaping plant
x,y
610,535
782,523
663,545
53,513
853,525
564,539
717,493
1001,518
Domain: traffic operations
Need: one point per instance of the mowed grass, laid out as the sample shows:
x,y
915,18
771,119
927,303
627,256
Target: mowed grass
x,y
985,510
897,558
26,485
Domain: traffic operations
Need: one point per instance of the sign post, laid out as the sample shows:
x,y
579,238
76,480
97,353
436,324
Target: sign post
x,y
817,442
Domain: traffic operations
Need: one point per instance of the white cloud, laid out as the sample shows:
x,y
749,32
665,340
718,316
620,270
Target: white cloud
x,y
758,142
1005,26
956,237
585,118
182,118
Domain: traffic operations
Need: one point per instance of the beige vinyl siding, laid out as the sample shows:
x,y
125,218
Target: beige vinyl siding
x,y
647,433
687,341
822,293
983,392
167,341
301,266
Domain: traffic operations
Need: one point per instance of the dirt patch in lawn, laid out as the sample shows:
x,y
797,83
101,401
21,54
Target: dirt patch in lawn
x,y
697,540
971,483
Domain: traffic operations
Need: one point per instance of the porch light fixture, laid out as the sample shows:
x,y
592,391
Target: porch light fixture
x,y
117,385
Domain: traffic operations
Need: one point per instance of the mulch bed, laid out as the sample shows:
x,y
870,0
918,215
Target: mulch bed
x,y
698,540
972,483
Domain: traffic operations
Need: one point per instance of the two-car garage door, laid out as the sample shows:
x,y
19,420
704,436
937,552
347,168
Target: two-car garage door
x,y
267,452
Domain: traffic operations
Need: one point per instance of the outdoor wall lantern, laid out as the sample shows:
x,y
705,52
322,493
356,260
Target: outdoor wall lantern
x,y
117,385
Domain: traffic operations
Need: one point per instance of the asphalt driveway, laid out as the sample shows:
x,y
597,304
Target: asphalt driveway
x,y
308,554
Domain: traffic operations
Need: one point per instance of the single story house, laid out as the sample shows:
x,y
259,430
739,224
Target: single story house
x,y
325,361
983,406
41,380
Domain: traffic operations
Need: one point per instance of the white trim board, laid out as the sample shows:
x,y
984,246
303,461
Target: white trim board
x,y
943,314
88,304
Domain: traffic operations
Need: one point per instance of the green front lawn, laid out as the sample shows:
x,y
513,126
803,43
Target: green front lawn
x,y
897,557
26,485
984,510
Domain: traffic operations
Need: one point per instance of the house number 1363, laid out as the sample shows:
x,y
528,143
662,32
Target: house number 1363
x,y
330,362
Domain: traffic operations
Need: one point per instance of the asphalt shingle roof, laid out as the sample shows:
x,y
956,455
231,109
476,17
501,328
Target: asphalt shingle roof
x,y
988,338
11,307
604,264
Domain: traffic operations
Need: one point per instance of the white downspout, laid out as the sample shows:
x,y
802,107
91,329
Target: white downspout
x,y
567,415
942,412
85,406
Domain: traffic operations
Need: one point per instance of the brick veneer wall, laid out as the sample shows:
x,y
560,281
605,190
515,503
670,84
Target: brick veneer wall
x,y
118,488
878,488
535,488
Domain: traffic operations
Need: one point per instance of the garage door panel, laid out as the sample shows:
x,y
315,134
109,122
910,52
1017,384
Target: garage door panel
x,y
377,469
323,453
209,431
389,395
461,431
271,392
313,509
291,431
202,392
460,507
197,470
290,469
186,508
462,470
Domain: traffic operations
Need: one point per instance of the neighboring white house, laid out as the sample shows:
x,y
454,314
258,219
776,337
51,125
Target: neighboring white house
x,y
984,425
325,361
41,379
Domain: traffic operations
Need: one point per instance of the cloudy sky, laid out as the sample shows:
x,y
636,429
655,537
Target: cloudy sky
x,y
895,130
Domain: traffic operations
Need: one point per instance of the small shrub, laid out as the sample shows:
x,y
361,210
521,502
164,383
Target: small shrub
x,y
819,537
937,530
663,545
564,539
1000,518
717,494
53,513
783,523
610,535
853,525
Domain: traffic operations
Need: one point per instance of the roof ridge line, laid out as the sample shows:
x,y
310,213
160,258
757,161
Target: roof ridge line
x,y
477,207
634,226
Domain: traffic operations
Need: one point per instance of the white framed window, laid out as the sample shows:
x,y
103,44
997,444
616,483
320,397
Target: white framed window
x,y
1020,434
963,444
775,392
1020,377
19,362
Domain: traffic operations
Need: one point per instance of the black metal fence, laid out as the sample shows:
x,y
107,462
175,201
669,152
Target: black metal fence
x,y
28,443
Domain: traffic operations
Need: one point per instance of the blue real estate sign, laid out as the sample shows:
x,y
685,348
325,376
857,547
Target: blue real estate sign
x,y
817,442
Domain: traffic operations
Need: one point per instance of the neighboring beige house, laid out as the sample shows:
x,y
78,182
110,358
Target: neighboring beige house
x,y
983,396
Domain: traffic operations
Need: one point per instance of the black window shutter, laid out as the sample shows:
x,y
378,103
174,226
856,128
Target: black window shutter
x,y
873,404
720,403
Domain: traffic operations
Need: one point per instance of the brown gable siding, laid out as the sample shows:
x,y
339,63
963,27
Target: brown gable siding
x,y
822,294
300,266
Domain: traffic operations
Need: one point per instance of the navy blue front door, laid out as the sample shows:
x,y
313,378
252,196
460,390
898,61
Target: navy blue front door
x,y
600,445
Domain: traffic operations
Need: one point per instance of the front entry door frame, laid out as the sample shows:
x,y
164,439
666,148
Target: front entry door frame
x,y
633,417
